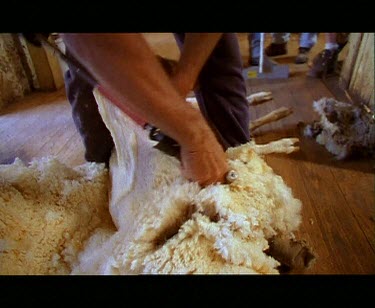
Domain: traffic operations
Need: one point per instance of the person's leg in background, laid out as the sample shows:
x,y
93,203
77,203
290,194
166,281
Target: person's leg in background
x,y
330,42
278,44
222,91
307,40
254,48
342,39
96,137
325,62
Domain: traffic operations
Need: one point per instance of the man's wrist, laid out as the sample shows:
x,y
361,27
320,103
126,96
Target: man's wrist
x,y
196,132
182,84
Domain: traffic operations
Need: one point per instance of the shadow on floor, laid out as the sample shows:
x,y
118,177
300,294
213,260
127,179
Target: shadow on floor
x,y
315,153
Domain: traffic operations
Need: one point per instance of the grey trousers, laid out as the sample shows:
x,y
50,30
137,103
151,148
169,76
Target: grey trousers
x,y
221,97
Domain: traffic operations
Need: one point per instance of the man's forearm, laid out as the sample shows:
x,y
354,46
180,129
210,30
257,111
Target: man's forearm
x,y
196,50
127,68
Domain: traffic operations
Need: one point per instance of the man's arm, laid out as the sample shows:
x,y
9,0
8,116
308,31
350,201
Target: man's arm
x,y
125,65
197,49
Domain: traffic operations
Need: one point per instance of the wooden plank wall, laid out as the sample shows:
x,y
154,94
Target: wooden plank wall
x,y
43,63
14,83
357,74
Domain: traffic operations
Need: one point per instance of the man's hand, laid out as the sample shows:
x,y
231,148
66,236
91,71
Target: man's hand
x,y
204,162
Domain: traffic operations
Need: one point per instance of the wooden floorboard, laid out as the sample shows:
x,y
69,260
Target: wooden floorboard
x,y
337,196
40,125
338,213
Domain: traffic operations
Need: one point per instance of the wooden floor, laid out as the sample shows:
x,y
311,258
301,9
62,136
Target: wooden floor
x,y
337,196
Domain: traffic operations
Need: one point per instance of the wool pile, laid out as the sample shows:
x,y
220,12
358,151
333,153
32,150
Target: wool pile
x,y
345,129
142,216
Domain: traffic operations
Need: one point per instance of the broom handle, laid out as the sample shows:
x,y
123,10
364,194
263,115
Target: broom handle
x,y
261,52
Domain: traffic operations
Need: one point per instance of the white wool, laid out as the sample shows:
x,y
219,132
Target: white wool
x,y
167,224
59,220
47,210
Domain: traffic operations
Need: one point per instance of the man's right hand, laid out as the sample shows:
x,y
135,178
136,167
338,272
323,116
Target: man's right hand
x,y
204,162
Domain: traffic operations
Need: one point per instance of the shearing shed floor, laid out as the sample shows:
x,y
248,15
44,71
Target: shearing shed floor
x,y
337,196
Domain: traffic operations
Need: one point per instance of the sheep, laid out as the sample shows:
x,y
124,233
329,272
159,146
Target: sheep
x,y
142,217
167,225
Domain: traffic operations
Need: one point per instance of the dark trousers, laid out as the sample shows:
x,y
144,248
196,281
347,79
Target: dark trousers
x,y
96,137
221,97
222,91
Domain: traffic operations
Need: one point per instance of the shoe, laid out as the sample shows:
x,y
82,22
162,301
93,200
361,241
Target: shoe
x,y
254,61
273,50
324,63
303,55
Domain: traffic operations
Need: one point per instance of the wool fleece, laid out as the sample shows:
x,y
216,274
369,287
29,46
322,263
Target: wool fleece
x,y
143,217
47,211
168,225
345,129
